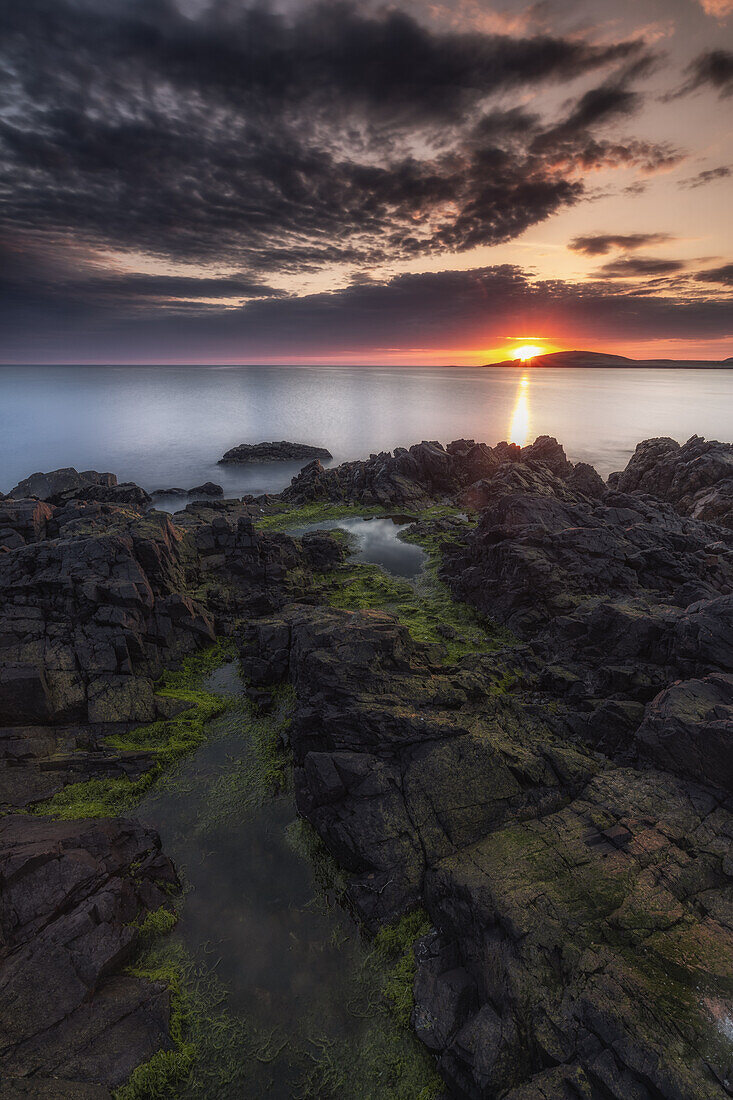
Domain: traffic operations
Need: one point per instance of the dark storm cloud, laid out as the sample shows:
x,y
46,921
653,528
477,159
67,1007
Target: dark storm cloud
x,y
572,141
712,69
433,310
599,244
722,275
639,267
277,143
709,175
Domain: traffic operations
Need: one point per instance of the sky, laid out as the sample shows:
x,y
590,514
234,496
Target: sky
x,y
427,181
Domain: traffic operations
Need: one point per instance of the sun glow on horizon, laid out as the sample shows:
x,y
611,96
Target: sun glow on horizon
x,y
528,351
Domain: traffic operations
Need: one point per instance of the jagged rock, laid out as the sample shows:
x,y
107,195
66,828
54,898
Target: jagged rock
x,y
89,622
696,477
72,899
549,452
273,452
427,472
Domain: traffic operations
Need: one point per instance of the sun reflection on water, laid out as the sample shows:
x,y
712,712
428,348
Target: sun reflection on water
x,y
519,423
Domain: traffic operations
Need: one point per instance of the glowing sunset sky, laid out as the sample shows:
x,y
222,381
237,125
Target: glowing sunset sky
x,y
416,182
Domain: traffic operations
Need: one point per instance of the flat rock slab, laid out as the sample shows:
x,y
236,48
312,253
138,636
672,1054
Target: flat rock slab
x,y
273,452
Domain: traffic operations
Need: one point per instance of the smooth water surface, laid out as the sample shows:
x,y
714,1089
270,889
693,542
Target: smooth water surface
x,y
377,541
290,965
164,426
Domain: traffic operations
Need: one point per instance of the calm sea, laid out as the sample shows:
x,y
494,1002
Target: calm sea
x,y
167,426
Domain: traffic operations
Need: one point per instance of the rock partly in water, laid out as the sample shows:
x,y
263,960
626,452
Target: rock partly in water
x,y
696,477
428,473
208,489
273,452
45,486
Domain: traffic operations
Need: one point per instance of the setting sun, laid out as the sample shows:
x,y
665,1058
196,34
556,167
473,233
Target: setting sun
x,y
528,351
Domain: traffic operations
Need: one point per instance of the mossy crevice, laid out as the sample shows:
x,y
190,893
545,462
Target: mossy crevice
x,y
165,741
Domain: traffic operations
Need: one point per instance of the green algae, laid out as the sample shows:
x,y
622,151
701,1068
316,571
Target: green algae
x,y
264,771
165,741
282,518
426,608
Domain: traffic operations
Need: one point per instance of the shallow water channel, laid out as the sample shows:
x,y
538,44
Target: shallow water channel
x,y
299,986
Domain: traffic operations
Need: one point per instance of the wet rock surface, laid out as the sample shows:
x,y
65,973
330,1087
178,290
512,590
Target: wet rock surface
x,y
561,801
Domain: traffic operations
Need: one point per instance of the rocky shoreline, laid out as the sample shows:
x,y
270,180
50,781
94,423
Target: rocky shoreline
x,y
557,795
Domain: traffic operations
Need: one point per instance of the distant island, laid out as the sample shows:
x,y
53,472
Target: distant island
x,y
603,359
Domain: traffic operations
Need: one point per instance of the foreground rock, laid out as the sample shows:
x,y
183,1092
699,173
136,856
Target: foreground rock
x,y
73,896
273,452
583,906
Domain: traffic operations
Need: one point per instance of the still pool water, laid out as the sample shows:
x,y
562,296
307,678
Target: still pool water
x,y
377,541
293,988
164,426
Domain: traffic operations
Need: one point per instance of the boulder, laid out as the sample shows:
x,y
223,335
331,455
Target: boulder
x,y
272,452
208,489
696,477
47,486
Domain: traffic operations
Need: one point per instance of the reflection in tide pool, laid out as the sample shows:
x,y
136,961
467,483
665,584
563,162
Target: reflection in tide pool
x,y
519,425
377,541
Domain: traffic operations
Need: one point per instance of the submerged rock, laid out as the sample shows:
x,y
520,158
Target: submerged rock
x,y
273,452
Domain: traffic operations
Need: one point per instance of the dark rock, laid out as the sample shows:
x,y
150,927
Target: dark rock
x,y
549,452
174,492
425,473
208,489
46,486
688,729
273,452
125,493
73,895
697,477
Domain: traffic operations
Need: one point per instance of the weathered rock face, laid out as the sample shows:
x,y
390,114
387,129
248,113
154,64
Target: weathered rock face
x,y
273,452
599,937
398,760
583,906
696,477
89,621
72,898
46,486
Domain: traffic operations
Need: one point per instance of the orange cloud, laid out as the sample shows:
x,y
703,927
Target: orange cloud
x,y
720,9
